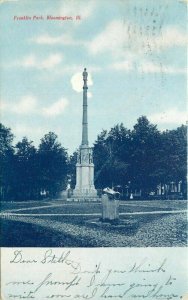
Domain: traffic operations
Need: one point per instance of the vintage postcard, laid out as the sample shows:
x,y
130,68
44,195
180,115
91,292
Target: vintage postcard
x,y
93,149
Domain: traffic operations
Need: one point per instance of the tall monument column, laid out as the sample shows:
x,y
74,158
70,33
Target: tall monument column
x,y
84,118
85,189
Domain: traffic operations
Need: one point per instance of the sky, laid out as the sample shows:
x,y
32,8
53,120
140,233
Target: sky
x,y
134,51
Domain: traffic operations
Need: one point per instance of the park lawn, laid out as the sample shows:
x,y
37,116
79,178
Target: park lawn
x,y
154,230
21,234
79,209
164,230
155,204
85,208
23,204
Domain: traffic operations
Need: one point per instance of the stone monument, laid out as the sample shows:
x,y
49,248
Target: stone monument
x,y
110,205
85,189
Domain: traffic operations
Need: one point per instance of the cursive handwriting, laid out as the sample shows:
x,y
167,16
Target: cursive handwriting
x,y
51,258
63,277
18,258
48,258
145,267
68,284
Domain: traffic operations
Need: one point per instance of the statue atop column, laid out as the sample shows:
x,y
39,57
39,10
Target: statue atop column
x,y
85,74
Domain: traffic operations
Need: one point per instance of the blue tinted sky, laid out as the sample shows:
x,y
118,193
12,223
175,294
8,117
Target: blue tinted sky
x,y
134,50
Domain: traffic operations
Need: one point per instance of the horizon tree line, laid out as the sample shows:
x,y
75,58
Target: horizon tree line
x,y
143,159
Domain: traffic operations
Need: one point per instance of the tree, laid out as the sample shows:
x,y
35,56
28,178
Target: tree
x,y
173,160
6,162
111,156
119,139
145,146
102,158
26,170
53,161
72,168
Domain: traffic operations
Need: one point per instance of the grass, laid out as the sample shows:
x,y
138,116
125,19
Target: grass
x,y
164,230
31,235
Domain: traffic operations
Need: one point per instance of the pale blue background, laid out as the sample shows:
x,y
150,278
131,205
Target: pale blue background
x,y
115,259
135,52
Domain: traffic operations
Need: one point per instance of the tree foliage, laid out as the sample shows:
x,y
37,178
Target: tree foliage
x,y
72,168
52,163
25,181
141,159
26,172
6,161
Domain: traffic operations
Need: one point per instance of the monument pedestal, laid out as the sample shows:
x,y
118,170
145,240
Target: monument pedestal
x,y
85,189
110,208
